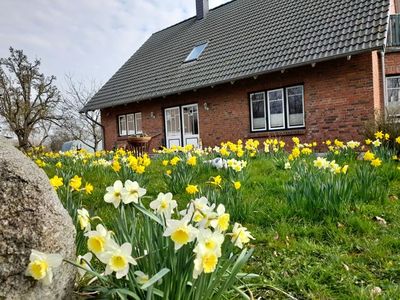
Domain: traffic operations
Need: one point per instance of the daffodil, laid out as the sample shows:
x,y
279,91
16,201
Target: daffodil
x,y
116,166
75,183
141,278
216,180
118,260
368,142
114,193
192,189
83,219
221,221
88,188
321,163
132,192
98,240
210,241
56,182
369,156
205,261
398,140
379,135
180,231
192,161
164,204
287,166
237,185
240,235
84,262
376,143
174,161
59,165
376,162
165,163
41,266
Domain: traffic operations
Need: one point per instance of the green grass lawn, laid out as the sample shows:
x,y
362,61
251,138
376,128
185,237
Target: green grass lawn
x,y
339,258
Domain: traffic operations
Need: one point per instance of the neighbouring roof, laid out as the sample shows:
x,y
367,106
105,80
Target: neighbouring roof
x,y
245,38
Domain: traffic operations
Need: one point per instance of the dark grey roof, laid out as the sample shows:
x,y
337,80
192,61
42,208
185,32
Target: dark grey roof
x,y
245,38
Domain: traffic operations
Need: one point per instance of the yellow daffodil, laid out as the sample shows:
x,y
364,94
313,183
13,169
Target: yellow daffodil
x,y
398,140
56,182
216,181
221,220
369,156
237,185
376,143
174,161
75,183
116,166
192,189
165,163
59,165
192,161
88,188
376,162
379,135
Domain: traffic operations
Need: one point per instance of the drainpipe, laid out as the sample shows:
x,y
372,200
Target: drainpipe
x,y
385,96
103,133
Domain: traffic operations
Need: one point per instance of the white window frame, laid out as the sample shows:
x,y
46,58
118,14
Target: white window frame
x,y
283,110
125,117
251,113
287,106
141,122
130,131
119,125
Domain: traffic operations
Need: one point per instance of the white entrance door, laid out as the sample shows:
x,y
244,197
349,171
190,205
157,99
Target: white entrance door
x,y
190,117
173,127
185,132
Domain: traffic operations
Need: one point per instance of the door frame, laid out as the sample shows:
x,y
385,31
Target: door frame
x,y
180,106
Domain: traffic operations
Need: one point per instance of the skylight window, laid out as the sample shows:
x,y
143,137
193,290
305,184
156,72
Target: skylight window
x,y
196,52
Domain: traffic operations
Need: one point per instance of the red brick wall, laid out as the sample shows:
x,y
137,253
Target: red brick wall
x,y
392,63
340,96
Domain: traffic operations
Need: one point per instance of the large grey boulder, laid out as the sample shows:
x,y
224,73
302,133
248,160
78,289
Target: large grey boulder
x,y
31,217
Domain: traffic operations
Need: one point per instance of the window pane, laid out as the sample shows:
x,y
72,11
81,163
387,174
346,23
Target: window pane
x,y
258,110
122,125
295,106
393,82
196,52
173,122
131,124
275,102
138,123
190,120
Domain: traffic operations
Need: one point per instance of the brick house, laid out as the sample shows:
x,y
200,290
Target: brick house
x,y
256,69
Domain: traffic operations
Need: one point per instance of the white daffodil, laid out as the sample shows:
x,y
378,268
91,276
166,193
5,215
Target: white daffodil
x,y
41,266
132,192
240,235
164,205
221,220
84,219
206,261
118,260
98,240
209,241
114,193
141,278
180,231
83,261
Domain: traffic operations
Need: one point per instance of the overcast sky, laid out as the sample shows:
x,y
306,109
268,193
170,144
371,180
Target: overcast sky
x,y
89,39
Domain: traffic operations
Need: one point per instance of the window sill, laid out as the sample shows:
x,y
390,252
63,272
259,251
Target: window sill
x,y
269,134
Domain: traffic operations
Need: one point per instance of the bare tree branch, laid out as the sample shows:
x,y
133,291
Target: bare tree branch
x,y
28,99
